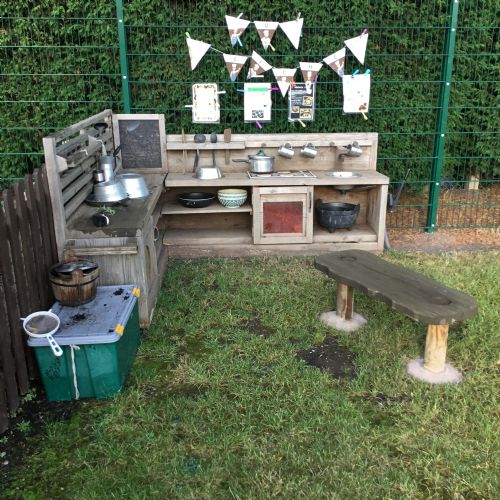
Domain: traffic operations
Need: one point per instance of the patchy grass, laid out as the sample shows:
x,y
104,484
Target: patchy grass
x,y
218,405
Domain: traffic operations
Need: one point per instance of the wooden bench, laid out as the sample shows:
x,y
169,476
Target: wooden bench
x,y
404,290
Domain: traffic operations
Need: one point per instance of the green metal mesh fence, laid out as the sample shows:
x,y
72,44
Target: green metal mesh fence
x,y
65,64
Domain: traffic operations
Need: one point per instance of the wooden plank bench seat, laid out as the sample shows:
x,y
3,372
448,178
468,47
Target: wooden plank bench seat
x,y
404,290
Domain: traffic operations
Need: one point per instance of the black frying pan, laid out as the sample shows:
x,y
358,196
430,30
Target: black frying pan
x,y
195,200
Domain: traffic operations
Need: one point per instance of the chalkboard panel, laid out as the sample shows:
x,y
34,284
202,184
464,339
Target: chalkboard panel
x,y
141,145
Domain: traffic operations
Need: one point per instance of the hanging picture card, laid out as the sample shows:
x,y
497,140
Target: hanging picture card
x,y
266,30
236,26
234,64
284,78
258,66
336,61
356,91
293,30
301,102
357,46
206,108
257,102
197,49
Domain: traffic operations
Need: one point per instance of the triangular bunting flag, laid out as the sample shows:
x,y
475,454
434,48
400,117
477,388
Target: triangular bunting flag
x,y
293,30
234,64
197,50
284,78
357,46
266,32
236,27
336,61
258,66
310,71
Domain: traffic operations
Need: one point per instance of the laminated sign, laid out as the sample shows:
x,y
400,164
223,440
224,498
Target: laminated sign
x,y
301,102
356,93
206,108
257,102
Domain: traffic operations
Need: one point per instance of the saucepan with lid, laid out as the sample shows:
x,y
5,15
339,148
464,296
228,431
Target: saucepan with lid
x,y
261,163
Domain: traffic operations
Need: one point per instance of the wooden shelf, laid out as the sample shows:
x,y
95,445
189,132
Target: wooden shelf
x,y
217,208
204,146
196,237
357,234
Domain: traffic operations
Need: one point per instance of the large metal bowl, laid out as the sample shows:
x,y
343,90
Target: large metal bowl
x,y
110,191
134,184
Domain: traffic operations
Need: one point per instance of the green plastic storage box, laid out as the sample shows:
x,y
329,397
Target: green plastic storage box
x,y
99,342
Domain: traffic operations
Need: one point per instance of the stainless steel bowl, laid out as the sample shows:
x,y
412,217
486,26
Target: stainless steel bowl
x,y
134,184
206,173
110,191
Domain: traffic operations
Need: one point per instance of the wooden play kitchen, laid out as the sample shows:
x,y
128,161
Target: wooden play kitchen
x,y
333,171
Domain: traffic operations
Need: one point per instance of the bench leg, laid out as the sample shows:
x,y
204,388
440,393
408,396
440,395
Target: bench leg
x,y
433,368
435,348
345,302
344,318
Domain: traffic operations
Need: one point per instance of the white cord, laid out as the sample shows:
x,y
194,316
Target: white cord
x,y
73,366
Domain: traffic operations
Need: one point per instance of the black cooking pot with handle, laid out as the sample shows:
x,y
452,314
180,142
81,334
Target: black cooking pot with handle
x,y
196,200
334,215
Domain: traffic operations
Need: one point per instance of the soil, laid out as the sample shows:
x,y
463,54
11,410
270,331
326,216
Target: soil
x,y
330,357
255,327
29,421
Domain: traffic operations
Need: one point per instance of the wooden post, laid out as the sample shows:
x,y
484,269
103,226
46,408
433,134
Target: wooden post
x,y
345,303
435,348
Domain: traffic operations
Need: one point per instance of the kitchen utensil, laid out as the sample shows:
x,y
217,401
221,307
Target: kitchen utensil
x,y
68,267
232,198
309,151
353,150
206,173
134,185
286,151
336,215
107,164
227,139
100,127
74,283
200,138
343,175
196,199
259,163
43,324
99,176
109,191
213,140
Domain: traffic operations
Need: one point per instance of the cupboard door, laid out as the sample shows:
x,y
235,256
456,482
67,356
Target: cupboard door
x,y
282,215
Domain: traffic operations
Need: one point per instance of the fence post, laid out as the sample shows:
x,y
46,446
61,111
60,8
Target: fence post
x,y
122,40
442,117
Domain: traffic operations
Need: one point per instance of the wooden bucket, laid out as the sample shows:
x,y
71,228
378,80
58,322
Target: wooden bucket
x,y
74,288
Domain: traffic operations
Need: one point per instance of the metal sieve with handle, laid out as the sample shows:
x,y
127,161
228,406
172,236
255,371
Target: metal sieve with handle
x,y
42,324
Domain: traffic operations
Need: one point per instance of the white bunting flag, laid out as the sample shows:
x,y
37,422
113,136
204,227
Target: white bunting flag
x,y
284,78
266,32
258,66
293,30
234,64
197,50
236,27
357,46
310,71
336,61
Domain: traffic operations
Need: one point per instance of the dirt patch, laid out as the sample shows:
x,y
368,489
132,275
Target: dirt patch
x,y
255,327
330,357
78,317
29,420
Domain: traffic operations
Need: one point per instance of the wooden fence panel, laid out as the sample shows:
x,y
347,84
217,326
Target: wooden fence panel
x,y
27,251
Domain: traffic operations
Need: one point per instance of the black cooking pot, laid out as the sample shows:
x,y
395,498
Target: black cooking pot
x,y
195,200
336,215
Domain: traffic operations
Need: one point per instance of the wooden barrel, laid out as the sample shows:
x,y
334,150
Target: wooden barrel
x,y
74,288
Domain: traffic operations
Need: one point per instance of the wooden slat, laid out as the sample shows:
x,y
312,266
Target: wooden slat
x,y
45,200
73,205
100,117
4,413
204,146
7,361
13,312
76,186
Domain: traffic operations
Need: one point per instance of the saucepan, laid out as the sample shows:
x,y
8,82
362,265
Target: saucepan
x,y
261,163
134,185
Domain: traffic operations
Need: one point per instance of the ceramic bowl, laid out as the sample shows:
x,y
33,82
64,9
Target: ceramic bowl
x,y
232,198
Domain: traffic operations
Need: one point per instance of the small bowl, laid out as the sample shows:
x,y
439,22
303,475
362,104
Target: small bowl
x,y
232,198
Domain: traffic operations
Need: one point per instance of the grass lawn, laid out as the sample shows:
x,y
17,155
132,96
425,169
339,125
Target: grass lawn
x,y
215,408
